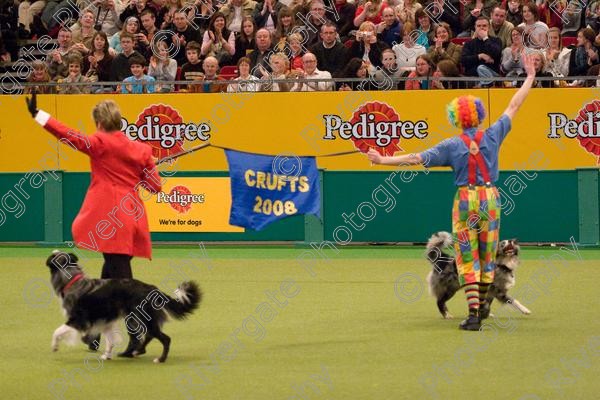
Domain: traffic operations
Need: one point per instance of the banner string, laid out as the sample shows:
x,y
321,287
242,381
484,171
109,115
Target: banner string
x,y
205,145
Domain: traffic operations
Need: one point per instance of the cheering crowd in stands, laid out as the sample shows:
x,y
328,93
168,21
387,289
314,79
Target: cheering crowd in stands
x,y
299,45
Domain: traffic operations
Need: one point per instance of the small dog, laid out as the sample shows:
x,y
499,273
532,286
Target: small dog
x,y
94,306
443,279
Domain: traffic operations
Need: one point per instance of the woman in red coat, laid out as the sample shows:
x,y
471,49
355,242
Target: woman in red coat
x,y
112,219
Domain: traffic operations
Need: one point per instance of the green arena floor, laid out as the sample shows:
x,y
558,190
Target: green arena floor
x,y
294,323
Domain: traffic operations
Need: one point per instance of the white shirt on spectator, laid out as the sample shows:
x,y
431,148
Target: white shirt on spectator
x,y
406,57
319,86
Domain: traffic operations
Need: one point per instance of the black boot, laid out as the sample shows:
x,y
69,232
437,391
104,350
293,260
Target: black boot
x,y
472,323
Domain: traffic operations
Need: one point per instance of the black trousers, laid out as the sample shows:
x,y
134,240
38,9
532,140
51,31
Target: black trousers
x,y
116,266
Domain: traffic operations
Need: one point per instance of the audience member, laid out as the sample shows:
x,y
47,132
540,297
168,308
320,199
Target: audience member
x,y
310,71
443,48
162,68
244,82
331,54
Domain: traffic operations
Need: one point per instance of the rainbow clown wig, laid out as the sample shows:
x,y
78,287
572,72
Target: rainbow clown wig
x,y
465,112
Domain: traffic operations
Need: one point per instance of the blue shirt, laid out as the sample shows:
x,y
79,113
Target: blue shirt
x,y
453,152
136,84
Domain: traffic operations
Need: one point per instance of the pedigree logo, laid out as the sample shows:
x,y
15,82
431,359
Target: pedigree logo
x,y
180,198
585,128
163,129
374,125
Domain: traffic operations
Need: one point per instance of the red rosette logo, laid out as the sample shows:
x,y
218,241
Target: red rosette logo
x,y
589,116
178,195
162,116
375,113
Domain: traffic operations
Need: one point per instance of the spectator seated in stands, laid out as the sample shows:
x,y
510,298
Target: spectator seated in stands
x,y
481,55
343,15
473,10
425,29
133,9
105,16
322,78
536,31
572,19
162,68
513,63
405,11
408,51
366,45
245,41
355,69
265,14
218,41
98,64
514,12
280,71
259,57
447,69
443,48
138,82
131,26
245,81
386,77
295,51
74,62
192,70
556,56
56,67
389,30
209,82
314,20
370,11
500,27
120,65
584,56
83,31
423,72
235,11
592,15
40,77
180,34
148,20
332,55
286,25
538,63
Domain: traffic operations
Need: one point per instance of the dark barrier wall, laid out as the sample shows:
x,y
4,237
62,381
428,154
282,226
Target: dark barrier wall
x,y
358,206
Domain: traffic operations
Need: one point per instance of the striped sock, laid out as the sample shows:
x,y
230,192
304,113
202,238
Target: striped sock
x,y
483,289
472,292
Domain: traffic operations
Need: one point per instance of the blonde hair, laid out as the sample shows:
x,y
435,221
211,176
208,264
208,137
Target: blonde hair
x,y
364,25
107,115
283,57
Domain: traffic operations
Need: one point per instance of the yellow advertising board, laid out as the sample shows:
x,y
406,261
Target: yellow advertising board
x,y
555,128
191,205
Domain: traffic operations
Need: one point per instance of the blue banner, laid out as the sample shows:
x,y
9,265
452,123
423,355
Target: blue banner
x,y
265,189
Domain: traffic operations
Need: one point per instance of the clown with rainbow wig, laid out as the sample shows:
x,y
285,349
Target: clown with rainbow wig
x,y
473,157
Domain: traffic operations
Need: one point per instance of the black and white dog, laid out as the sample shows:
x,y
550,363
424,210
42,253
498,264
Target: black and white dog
x,y
94,306
443,279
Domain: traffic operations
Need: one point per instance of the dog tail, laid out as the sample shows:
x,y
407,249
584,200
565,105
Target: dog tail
x,y
436,244
187,298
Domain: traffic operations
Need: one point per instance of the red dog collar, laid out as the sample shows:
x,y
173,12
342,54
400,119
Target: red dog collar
x,y
71,282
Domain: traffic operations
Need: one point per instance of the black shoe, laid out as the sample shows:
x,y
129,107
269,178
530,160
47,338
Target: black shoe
x,y
484,312
472,323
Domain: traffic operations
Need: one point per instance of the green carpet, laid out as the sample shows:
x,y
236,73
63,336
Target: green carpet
x,y
291,323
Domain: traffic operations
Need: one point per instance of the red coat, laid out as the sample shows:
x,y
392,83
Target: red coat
x,y
112,218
